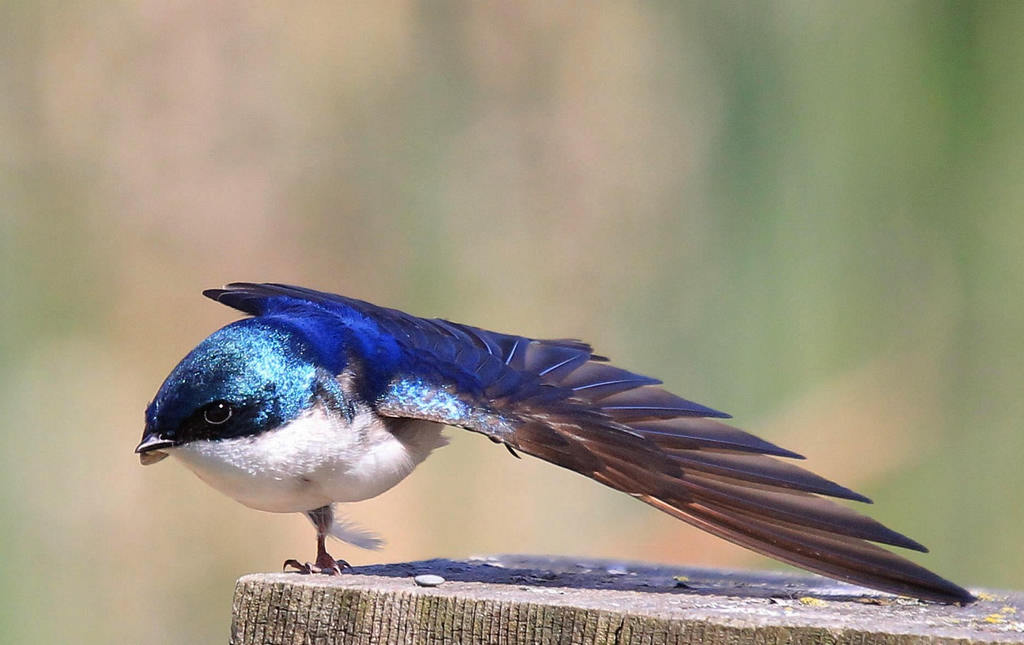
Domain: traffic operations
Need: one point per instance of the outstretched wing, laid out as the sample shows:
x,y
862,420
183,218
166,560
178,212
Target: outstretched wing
x,y
556,400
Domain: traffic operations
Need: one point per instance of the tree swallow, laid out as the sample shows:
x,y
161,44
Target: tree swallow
x,y
317,399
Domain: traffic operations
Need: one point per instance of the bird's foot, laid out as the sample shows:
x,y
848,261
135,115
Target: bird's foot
x,y
304,569
325,565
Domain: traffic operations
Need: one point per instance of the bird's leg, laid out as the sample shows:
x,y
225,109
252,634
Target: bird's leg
x,y
322,519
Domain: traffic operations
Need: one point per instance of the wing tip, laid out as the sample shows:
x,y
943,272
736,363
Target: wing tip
x,y
783,452
962,596
944,591
705,411
904,542
842,492
247,297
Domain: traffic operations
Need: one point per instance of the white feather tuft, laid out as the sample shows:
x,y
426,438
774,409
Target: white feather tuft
x,y
350,532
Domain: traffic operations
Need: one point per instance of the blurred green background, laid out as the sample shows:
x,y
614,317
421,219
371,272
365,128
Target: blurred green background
x,y
810,215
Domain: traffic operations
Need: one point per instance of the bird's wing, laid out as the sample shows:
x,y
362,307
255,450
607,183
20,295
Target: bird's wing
x,y
556,400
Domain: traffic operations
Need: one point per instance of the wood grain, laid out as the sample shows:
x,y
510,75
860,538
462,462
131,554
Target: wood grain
x,y
514,599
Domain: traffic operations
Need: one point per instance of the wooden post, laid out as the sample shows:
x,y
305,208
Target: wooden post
x,y
528,600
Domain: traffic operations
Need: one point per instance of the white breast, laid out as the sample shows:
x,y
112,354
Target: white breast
x,y
315,460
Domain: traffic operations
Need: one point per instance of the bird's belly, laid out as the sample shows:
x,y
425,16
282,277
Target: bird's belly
x,y
313,461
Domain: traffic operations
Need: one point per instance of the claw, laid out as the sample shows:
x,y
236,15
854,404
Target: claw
x,y
327,566
304,569
325,563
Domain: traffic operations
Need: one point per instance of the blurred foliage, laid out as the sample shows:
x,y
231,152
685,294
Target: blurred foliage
x,y
808,214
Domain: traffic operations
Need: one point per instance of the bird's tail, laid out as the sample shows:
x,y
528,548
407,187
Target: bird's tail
x,y
622,430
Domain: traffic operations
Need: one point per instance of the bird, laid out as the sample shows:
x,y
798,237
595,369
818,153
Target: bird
x,y
315,399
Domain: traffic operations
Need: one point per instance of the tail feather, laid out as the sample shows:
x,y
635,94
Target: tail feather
x,y
762,470
698,433
849,559
617,428
802,510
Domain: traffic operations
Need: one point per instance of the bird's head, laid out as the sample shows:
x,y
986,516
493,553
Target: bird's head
x,y
246,378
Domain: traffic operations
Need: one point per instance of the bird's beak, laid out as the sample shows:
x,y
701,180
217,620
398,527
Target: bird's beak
x,y
151,449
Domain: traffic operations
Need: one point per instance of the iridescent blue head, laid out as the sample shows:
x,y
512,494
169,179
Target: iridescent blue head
x,y
248,377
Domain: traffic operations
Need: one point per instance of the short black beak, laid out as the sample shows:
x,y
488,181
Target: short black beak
x,y
150,450
153,442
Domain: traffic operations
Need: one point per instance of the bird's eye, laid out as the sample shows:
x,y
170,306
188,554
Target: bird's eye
x,y
217,413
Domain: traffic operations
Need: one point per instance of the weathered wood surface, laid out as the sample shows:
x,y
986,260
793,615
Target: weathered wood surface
x,y
513,599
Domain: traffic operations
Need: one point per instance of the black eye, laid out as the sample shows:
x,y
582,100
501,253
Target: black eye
x,y
217,413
